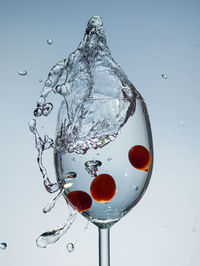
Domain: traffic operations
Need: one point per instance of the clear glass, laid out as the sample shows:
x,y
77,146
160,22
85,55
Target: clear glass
x,y
113,159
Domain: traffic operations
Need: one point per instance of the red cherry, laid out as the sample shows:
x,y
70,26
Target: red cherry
x,y
80,200
103,188
139,157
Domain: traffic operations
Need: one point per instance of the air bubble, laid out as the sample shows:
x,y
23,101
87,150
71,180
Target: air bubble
x,y
37,112
3,245
22,72
70,247
47,108
49,41
164,76
92,167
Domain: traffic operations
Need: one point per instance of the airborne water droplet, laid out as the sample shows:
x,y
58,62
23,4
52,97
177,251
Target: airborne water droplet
x,y
32,125
70,247
164,76
22,72
37,112
49,41
109,159
40,80
47,108
3,245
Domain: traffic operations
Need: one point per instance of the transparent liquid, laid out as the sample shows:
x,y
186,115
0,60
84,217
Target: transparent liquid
x,y
131,183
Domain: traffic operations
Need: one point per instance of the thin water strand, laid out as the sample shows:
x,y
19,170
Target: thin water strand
x,y
51,204
50,237
42,145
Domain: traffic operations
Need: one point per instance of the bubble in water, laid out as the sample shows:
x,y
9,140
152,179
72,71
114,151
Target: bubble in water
x,y
92,167
109,159
49,41
50,237
70,175
37,112
70,247
47,108
164,76
22,72
3,245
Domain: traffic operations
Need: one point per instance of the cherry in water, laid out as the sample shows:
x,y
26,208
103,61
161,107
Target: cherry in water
x,y
139,157
103,188
80,200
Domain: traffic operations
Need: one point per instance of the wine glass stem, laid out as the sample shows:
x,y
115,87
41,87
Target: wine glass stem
x,y
104,247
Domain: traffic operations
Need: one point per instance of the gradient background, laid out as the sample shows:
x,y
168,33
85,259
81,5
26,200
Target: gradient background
x,y
164,228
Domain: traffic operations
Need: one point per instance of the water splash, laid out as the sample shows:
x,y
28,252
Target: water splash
x,y
92,167
3,245
50,237
41,145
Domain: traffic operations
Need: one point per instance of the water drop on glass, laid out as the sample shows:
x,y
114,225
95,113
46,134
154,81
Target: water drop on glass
x,y
49,41
164,76
3,245
22,72
47,108
70,247
37,112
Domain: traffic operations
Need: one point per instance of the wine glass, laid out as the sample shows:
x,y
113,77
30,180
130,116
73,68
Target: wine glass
x,y
105,176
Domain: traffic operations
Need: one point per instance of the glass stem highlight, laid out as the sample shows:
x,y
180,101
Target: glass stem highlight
x,y
104,247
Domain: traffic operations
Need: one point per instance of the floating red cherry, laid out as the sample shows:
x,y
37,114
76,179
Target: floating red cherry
x,y
80,200
139,157
103,188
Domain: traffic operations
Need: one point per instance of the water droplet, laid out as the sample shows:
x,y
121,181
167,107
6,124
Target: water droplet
x,y
50,237
37,112
164,76
32,125
49,41
48,83
109,159
3,245
181,123
47,108
40,80
92,167
73,159
70,247
22,72
41,101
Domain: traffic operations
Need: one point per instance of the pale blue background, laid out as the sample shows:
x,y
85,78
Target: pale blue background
x,y
164,228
